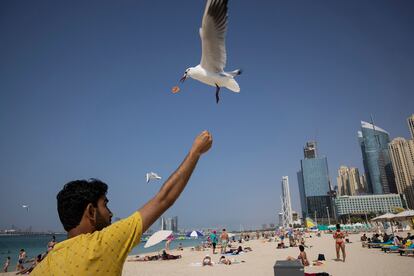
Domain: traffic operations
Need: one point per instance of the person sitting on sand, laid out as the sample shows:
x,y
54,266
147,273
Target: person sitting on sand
x,y
375,239
224,260
364,238
166,256
302,256
385,238
207,261
281,245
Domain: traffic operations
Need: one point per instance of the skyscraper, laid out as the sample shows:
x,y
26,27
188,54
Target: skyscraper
x,y
342,181
287,219
377,163
363,183
410,121
348,181
354,181
402,157
314,186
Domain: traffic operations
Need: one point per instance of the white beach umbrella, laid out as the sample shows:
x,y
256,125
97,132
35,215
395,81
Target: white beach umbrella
x,y
157,237
231,235
385,217
407,214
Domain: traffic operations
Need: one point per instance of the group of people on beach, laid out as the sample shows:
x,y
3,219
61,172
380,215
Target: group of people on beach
x,y
22,259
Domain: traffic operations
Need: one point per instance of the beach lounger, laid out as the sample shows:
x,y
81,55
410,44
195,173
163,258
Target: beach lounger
x,y
392,248
378,244
407,250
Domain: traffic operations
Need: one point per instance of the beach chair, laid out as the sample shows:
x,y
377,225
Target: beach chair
x,y
406,251
390,248
378,244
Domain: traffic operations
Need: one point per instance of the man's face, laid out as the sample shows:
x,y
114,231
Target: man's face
x,y
103,214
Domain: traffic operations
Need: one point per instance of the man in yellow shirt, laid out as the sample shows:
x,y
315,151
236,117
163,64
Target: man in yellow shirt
x,y
94,245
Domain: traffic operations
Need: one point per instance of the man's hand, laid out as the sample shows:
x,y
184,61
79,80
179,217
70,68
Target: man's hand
x,y
202,143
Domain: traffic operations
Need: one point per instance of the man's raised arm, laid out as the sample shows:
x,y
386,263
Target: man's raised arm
x,y
176,183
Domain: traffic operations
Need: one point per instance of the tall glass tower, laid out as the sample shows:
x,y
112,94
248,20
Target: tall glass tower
x,y
314,186
377,163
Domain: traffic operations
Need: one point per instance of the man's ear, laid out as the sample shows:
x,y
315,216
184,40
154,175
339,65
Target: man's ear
x,y
90,212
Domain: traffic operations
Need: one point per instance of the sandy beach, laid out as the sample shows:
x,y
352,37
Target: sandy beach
x,y
360,261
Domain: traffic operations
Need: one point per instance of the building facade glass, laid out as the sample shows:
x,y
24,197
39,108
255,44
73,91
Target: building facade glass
x,y
377,163
315,176
359,205
314,187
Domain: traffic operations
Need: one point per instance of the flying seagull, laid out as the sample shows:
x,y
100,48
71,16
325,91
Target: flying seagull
x,y
213,58
151,176
26,207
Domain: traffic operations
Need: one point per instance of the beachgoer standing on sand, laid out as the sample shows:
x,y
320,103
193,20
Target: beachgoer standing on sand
x,y
339,242
94,246
214,240
168,242
224,241
6,264
51,244
21,259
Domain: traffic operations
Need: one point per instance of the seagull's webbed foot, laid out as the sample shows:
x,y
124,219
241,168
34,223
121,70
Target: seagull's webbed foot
x,y
217,93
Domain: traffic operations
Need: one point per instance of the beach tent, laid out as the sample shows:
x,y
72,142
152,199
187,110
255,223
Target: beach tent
x,y
157,237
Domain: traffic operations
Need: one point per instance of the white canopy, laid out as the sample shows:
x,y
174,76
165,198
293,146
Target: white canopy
x,y
405,215
385,217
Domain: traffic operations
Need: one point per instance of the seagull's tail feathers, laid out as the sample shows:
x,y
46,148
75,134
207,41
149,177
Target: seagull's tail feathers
x,y
236,72
233,85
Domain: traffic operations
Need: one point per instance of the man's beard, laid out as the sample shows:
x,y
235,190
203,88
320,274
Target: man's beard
x,y
101,223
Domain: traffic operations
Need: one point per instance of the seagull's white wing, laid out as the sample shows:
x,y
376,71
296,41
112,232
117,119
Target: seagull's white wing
x,y
213,35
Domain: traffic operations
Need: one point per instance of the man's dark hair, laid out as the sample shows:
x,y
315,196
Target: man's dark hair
x,y
75,196
338,226
301,248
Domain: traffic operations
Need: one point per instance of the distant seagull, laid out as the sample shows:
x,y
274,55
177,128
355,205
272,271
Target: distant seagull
x,y
26,207
151,176
213,59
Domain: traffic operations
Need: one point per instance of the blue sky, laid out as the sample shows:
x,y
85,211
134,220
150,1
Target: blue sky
x,y
85,92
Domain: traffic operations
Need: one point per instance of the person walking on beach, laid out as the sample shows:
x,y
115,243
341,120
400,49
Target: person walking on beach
x,y
224,241
94,245
339,242
6,264
21,259
213,239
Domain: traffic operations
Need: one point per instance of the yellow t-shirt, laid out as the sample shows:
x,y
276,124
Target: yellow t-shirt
x,y
99,253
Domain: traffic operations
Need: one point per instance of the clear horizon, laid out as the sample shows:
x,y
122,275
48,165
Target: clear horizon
x,y
85,93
